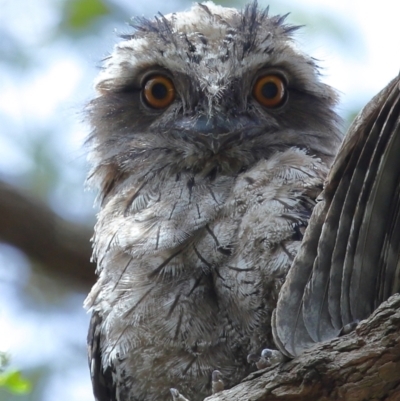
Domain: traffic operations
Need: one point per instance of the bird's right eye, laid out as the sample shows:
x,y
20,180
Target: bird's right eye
x,y
158,92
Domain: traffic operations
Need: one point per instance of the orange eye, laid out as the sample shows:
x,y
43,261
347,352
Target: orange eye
x,y
270,90
158,92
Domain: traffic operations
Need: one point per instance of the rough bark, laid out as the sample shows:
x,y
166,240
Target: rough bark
x,y
59,247
361,366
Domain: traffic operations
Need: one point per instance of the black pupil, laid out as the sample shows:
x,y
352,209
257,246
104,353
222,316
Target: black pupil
x,y
159,91
269,90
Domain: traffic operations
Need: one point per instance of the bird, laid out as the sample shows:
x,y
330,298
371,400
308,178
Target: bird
x,y
211,137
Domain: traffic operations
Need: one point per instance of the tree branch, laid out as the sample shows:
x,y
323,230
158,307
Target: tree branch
x,y
361,366
61,247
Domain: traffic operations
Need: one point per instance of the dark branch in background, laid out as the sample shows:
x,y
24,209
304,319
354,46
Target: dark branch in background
x,y
60,247
361,366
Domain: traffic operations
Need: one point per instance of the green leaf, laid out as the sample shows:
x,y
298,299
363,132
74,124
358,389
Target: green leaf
x,y
4,361
79,14
14,382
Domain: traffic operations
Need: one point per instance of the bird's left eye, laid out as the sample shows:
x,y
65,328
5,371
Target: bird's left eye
x,y
158,92
270,90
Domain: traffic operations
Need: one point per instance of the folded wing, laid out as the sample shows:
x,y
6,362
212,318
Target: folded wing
x,y
349,261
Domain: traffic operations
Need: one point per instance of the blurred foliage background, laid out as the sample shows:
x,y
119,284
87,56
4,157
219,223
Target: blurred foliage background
x,y
50,51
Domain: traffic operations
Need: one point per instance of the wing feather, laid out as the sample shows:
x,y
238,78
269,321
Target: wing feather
x,y
102,381
349,261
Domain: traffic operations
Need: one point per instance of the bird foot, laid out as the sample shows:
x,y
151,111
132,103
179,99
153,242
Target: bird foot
x,y
217,384
176,396
348,328
268,357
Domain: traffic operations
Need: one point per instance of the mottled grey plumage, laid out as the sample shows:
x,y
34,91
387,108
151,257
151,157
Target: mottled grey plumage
x,y
203,202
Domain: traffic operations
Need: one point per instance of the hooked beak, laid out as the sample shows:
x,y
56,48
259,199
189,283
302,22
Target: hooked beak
x,y
217,132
